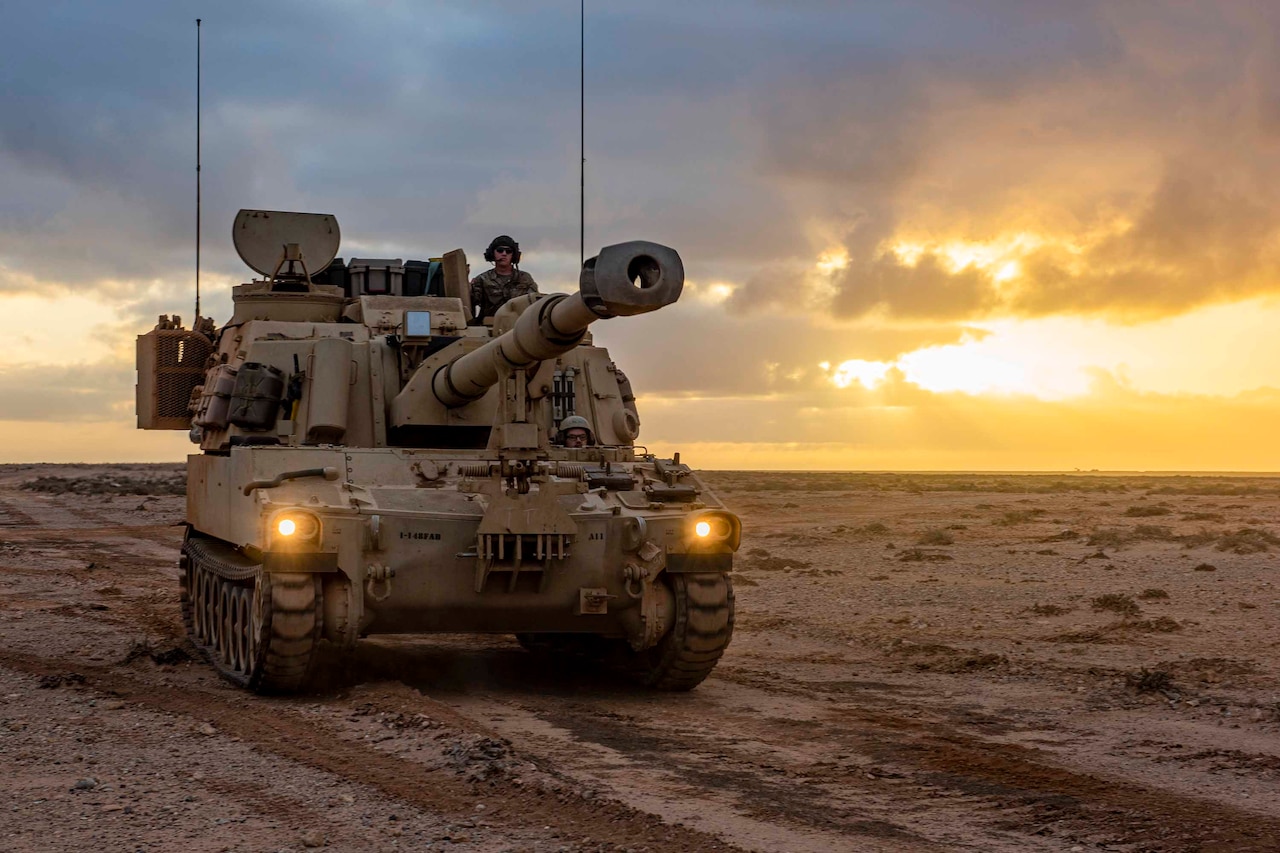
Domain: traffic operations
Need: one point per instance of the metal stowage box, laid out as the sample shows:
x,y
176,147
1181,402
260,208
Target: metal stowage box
x,y
376,276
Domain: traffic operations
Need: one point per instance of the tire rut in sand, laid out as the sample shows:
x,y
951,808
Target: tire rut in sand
x,y
11,516
720,765
1122,812
277,728
1007,787
1041,792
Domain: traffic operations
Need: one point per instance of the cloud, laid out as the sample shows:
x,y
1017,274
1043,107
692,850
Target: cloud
x,y
924,290
83,393
697,349
752,145
1138,152
1192,243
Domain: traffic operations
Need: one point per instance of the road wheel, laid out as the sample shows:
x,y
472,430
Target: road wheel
x,y
701,632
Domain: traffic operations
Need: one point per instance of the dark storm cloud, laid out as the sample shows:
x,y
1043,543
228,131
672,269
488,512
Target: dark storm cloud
x,y
306,105
395,116
741,135
1191,242
1068,121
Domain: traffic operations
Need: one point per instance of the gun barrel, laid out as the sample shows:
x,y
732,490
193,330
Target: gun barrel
x,y
625,279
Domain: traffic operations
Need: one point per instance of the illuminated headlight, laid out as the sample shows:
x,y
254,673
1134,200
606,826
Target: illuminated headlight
x,y
295,527
715,529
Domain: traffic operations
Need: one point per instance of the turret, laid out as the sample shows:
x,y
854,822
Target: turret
x,y
364,363
625,279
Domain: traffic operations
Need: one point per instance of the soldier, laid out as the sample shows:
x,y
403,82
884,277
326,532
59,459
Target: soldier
x,y
491,289
575,431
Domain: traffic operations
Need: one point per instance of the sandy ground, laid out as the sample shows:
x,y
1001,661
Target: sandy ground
x,y
921,663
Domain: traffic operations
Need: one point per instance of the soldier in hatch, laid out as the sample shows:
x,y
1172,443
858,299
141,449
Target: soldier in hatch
x,y
575,431
491,289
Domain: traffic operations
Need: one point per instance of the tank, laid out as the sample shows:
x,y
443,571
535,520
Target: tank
x,y
381,463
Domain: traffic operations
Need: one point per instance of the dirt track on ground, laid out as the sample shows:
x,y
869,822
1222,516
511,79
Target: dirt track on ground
x,y
921,663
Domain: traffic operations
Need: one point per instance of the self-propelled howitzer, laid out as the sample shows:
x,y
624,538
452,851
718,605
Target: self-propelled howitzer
x,y
374,461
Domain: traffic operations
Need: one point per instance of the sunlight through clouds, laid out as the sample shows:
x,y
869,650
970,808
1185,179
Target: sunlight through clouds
x,y
821,282
960,368
1000,256
964,368
54,330
868,374
712,292
1061,357
832,260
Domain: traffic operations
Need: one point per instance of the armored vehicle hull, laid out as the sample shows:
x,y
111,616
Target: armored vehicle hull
x,y
375,464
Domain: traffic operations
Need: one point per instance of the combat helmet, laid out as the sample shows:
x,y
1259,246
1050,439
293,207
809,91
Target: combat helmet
x,y
575,422
502,240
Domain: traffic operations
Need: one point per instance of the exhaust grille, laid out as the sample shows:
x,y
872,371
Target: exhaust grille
x,y
519,547
519,555
171,364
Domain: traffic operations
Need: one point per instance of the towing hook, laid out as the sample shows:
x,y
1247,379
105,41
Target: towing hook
x,y
633,571
378,574
636,577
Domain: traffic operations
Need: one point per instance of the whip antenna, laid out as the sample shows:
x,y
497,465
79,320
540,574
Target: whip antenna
x,y
582,127
197,168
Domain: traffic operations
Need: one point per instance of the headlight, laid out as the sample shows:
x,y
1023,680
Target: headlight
x,y
714,529
294,527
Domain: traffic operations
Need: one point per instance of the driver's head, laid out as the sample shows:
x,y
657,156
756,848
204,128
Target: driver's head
x,y
575,431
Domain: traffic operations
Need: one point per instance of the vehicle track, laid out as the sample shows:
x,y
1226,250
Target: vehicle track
x,y
821,764
33,533
11,516
277,727
826,766
933,752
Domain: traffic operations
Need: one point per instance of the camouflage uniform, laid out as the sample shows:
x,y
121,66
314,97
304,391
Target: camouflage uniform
x,y
490,290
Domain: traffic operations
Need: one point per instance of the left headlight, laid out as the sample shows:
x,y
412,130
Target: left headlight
x,y
713,529
294,527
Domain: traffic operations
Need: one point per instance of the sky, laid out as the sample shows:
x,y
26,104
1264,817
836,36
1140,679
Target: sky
x,y
982,235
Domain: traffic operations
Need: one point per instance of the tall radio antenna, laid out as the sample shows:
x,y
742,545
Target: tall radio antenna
x,y
197,168
582,126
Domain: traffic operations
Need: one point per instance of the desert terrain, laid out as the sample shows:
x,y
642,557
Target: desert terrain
x,y
920,662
